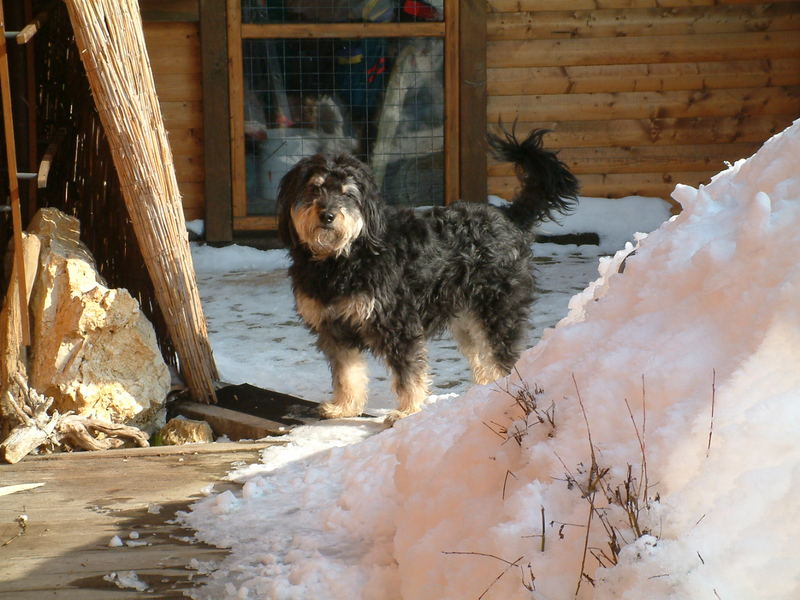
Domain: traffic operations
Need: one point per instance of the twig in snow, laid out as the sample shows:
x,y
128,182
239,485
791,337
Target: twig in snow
x,y
503,572
505,481
713,401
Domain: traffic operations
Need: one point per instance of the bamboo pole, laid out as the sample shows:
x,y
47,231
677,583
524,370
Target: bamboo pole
x,y
111,44
13,183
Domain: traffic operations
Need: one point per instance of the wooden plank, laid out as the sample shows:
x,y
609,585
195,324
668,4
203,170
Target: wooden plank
x,y
175,87
192,193
189,168
745,102
343,30
180,62
644,159
651,49
235,425
191,213
172,36
616,185
236,104
641,132
692,20
452,102
550,5
186,142
182,114
88,497
169,10
644,77
254,223
472,100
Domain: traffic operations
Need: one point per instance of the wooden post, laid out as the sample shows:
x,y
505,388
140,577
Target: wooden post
x,y
13,183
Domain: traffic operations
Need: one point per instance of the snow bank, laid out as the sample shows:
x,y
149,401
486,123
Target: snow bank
x,y
450,503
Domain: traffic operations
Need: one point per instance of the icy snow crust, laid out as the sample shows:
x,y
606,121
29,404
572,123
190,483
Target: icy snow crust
x,y
706,312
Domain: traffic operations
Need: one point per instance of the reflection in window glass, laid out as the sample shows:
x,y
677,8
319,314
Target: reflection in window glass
x,y
381,99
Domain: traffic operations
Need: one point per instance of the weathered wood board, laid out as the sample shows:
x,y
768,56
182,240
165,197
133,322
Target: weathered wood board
x,y
90,497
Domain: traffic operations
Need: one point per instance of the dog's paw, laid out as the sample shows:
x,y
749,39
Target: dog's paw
x,y
395,415
331,410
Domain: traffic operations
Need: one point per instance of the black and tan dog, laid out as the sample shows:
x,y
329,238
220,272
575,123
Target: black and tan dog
x,y
367,276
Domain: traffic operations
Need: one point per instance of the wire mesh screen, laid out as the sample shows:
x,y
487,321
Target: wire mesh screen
x,y
341,11
379,99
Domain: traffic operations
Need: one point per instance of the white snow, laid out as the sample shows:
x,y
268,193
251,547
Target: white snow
x,y
688,359
127,580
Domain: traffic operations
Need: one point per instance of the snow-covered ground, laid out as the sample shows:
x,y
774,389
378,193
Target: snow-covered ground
x,y
646,448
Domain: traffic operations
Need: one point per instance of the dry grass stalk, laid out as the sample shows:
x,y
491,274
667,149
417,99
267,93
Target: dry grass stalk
x,y
713,402
111,44
527,579
632,495
527,399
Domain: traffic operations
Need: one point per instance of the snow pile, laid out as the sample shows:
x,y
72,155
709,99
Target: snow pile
x,y
474,498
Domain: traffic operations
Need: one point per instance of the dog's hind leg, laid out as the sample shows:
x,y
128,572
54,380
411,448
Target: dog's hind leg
x,y
349,373
410,381
475,345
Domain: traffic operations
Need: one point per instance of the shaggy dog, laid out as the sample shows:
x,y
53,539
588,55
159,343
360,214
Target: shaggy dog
x,y
367,276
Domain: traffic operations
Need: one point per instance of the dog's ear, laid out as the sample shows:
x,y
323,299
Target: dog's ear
x,y
290,190
372,209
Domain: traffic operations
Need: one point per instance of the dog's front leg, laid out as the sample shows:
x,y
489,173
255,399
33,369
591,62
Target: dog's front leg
x,y
410,383
349,374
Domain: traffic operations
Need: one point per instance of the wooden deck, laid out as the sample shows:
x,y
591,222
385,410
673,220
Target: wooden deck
x,y
89,497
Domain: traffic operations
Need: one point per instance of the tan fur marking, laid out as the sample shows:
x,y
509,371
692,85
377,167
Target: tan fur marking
x,y
355,310
312,311
473,344
349,370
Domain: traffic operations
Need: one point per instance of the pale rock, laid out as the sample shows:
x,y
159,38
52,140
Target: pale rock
x,y
179,431
92,349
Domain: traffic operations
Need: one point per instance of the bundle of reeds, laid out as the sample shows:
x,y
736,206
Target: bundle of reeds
x,y
111,43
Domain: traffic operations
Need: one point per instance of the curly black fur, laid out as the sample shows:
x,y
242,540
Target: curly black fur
x,y
367,276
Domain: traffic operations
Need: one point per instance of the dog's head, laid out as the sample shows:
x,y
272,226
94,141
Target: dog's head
x,y
327,205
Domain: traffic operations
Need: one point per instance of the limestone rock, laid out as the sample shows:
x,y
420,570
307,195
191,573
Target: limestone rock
x,y
92,350
179,431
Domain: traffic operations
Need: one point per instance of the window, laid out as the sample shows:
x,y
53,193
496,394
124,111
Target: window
x,y
370,77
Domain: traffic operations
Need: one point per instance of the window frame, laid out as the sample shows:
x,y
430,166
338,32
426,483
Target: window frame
x,y
464,33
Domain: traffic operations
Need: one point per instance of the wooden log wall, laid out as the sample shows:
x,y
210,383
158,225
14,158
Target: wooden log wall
x,y
172,35
643,94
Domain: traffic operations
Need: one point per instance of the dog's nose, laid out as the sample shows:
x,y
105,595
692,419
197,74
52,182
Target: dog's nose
x,y
326,217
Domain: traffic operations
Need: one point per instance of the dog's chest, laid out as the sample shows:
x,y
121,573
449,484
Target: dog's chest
x,y
355,310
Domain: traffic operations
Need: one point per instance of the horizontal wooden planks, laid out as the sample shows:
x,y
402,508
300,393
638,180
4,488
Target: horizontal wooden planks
x,y
646,49
647,22
743,102
657,131
550,5
89,497
693,157
175,57
169,10
652,77
643,94
614,185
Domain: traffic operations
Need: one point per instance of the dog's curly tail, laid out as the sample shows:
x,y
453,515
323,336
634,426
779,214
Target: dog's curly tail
x,y
548,186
